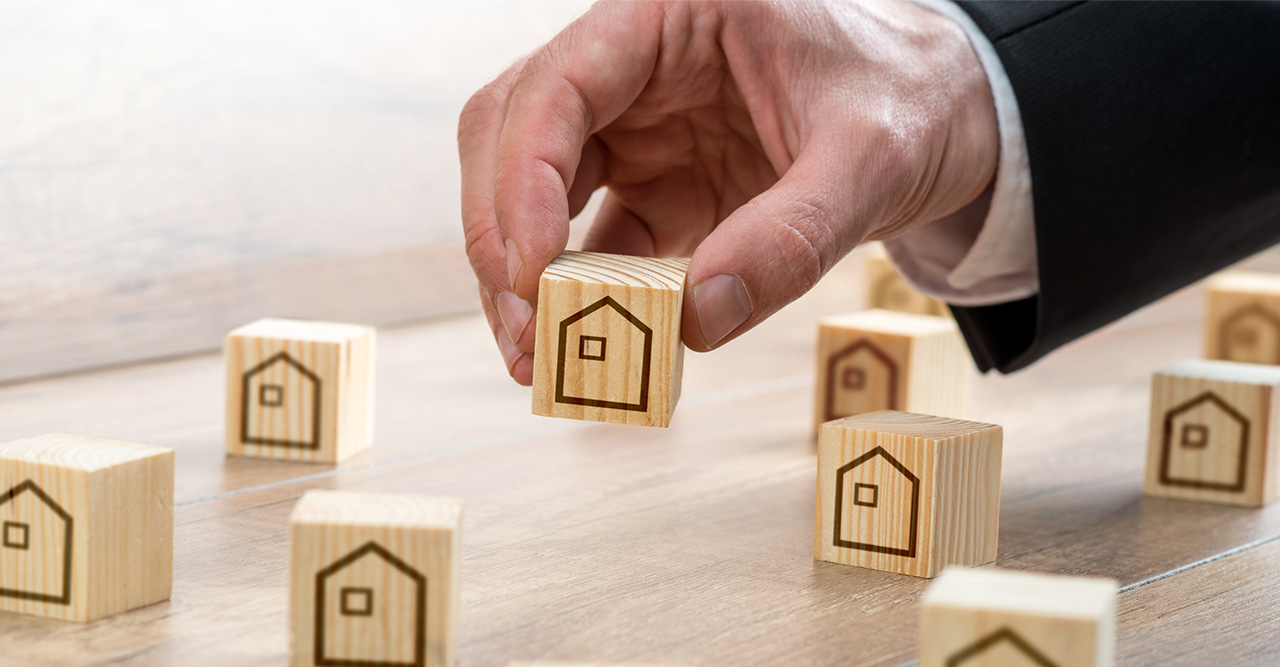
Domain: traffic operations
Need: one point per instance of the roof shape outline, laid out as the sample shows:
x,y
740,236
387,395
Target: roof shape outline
x,y
642,404
420,608
1253,309
913,530
246,399
1004,634
829,410
65,598
1166,451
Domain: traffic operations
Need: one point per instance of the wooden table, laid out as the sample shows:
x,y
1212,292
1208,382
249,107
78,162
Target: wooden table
x,y
687,545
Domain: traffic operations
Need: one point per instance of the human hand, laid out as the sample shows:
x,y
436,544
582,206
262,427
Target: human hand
x,y
765,139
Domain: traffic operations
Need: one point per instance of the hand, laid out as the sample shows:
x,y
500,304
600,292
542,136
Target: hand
x,y
767,139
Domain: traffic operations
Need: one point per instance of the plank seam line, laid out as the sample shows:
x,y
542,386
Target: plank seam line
x,y
712,398
1247,546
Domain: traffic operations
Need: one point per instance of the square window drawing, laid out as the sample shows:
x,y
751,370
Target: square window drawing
x,y
854,379
17,535
271,395
591,348
356,601
1195,436
1246,338
866,495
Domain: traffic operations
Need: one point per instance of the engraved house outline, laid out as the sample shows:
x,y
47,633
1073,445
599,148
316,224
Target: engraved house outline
x,y
349,605
989,642
1231,325
276,396
871,500
835,378
1200,436
26,544
597,352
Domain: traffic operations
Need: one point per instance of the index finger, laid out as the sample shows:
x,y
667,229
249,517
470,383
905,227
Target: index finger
x,y
569,89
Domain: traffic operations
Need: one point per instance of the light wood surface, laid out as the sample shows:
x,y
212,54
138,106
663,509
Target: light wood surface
x,y
374,579
907,493
172,171
299,390
887,290
608,338
1214,433
1243,320
691,545
88,526
882,360
998,618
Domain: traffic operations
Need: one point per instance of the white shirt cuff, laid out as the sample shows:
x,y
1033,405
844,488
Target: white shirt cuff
x,y
967,259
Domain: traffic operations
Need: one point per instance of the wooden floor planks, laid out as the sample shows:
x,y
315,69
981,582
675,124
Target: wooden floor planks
x,y
689,545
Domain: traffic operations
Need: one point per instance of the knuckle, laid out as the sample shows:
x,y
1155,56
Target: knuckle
x,y
806,243
479,111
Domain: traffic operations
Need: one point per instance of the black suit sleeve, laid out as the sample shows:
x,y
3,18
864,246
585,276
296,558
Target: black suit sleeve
x,y
1153,134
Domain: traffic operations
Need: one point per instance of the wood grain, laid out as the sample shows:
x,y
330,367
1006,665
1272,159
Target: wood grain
x,y
992,618
882,360
88,526
374,579
602,543
1214,433
1243,320
173,171
907,493
299,390
887,290
608,343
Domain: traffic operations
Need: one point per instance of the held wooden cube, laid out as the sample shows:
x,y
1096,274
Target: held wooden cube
x,y
1243,323
881,360
87,526
374,579
1213,434
299,390
985,617
907,493
608,344
887,290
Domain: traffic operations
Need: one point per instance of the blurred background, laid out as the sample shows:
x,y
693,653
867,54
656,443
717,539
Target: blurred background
x,y
172,169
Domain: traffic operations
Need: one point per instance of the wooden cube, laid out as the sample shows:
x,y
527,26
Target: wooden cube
x,y
299,390
1213,434
907,493
1243,323
996,617
887,290
881,360
608,338
86,526
374,579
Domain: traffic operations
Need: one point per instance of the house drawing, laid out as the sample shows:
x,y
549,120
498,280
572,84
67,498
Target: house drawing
x,y
370,595
1250,335
596,344
1205,446
1012,650
871,493
861,377
280,396
35,533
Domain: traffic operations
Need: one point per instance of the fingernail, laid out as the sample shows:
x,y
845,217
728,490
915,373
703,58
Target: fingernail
x,y
510,353
514,263
723,305
514,313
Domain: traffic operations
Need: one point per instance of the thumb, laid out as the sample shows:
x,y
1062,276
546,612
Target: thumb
x,y
773,249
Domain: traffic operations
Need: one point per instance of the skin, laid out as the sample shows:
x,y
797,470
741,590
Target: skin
x,y
766,140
